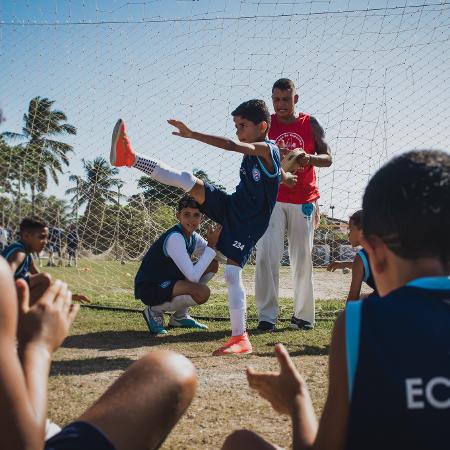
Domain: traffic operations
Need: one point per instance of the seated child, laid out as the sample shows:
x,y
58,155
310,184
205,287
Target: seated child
x,y
360,265
244,215
389,376
154,392
168,280
33,233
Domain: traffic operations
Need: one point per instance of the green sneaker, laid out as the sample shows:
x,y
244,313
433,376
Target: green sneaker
x,y
155,321
186,322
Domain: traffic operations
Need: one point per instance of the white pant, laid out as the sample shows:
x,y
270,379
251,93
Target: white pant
x,y
299,221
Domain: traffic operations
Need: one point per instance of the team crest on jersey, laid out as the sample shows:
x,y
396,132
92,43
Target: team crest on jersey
x,y
165,284
256,174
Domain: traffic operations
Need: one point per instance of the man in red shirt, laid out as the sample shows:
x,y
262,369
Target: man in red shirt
x,y
294,211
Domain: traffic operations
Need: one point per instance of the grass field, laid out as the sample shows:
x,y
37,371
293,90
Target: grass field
x,y
103,343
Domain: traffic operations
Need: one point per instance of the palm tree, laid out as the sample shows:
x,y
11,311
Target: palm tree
x,y
44,156
97,188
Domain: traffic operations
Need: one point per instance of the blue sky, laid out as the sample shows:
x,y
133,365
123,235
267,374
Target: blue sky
x,y
374,73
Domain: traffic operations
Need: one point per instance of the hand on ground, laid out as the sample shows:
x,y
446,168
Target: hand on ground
x,y
80,298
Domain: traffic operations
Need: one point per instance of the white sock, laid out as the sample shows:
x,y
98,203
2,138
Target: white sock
x,y
176,304
165,174
236,299
206,277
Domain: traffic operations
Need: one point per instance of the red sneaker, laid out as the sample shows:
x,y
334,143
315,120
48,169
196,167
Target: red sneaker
x,y
121,152
235,345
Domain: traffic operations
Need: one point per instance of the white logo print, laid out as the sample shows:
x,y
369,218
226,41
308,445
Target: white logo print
x,y
256,174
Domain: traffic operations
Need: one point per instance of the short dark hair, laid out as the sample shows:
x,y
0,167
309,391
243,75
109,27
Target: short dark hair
x,y
31,224
187,202
407,205
357,219
254,110
283,84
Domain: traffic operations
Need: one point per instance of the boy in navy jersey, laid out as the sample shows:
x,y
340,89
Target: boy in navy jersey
x,y
244,215
168,280
33,238
389,378
360,265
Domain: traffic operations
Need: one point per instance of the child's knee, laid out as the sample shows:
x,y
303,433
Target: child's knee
x,y
202,294
238,439
174,368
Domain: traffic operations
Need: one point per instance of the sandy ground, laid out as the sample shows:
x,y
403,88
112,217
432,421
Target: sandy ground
x,y
223,402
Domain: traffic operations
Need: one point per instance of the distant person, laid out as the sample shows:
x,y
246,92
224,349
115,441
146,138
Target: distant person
x,y
168,280
360,266
389,375
302,140
33,236
137,412
72,242
4,236
54,247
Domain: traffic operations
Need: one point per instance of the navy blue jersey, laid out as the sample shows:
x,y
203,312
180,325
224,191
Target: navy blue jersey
x,y
368,277
24,268
245,214
159,268
256,193
398,365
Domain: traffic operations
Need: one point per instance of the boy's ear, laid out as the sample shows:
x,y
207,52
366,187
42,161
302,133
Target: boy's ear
x,y
295,99
377,251
264,126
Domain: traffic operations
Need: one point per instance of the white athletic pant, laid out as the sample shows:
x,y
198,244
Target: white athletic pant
x,y
299,222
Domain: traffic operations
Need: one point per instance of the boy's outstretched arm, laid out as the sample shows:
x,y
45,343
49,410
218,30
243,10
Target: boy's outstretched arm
x,y
260,149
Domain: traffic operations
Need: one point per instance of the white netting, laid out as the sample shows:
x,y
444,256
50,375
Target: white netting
x,y
376,78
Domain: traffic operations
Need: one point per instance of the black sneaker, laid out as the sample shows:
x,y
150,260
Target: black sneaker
x,y
263,325
299,324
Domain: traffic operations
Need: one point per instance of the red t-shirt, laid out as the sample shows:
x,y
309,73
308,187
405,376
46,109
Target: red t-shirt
x,y
297,135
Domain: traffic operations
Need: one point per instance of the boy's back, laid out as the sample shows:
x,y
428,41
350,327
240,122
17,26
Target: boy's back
x,y
402,369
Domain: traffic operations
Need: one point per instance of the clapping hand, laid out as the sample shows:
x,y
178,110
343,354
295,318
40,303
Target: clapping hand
x,y
280,389
47,322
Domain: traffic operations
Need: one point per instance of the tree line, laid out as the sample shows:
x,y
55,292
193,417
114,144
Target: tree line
x,y
103,215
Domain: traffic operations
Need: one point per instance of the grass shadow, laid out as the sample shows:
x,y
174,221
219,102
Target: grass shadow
x,y
305,350
114,340
89,365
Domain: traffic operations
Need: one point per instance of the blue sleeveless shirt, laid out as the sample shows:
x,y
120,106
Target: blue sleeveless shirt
x,y
24,268
398,366
157,266
368,277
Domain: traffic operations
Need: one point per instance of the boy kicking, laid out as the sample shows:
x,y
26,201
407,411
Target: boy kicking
x,y
168,280
244,215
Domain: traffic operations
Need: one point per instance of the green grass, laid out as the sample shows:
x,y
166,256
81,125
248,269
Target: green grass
x,y
109,283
